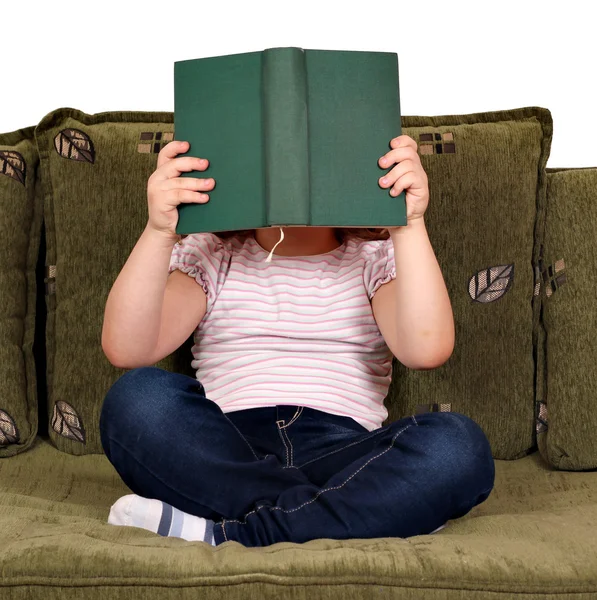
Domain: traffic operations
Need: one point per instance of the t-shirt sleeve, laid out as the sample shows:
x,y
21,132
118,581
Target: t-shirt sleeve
x,y
380,266
206,258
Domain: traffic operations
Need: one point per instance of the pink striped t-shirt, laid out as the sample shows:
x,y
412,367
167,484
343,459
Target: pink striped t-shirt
x,y
296,330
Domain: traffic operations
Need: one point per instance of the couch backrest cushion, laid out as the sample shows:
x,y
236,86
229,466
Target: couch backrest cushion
x,y
95,170
485,215
566,416
487,186
20,229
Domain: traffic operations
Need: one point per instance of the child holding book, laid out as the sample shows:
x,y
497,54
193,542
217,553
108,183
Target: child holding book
x,y
279,438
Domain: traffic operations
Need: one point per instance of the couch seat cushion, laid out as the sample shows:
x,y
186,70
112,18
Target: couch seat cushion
x,y
533,537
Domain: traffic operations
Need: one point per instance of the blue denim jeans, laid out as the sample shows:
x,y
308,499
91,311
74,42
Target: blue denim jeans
x,y
291,473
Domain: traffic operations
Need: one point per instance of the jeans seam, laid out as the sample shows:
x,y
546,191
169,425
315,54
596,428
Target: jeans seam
x,y
297,414
320,491
282,438
291,448
288,462
380,430
245,440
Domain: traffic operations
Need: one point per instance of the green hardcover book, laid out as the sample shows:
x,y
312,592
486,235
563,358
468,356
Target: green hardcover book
x,y
292,136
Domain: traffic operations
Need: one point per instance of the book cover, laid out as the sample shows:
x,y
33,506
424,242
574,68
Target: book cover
x,y
292,136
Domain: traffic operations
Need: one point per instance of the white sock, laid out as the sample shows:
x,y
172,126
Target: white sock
x,y
161,518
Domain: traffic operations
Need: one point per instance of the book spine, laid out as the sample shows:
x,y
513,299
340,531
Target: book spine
x,y
286,142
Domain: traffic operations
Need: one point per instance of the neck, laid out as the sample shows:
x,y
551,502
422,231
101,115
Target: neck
x,y
298,241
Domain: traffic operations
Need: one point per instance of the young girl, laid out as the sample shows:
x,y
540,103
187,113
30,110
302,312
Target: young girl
x,y
279,438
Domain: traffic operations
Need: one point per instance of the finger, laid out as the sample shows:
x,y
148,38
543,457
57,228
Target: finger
x,y
403,141
397,155
176,166
403,182
400,169
182,196
188,183
170,150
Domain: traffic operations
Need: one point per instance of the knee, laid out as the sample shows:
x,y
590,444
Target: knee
x,y
475,450
128,388
147,398
462,443
133,398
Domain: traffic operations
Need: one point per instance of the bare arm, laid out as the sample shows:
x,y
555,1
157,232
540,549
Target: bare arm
x,y
413,312
148,313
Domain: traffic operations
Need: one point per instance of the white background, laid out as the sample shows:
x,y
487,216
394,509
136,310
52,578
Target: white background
x,y
455,57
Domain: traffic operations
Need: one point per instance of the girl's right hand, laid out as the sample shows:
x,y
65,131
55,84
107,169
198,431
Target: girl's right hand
x,y
166,189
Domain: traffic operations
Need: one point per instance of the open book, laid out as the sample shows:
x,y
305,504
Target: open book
x,y
293,138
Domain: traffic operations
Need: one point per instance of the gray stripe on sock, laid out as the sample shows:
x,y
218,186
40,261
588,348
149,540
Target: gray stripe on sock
x,y
164,526
209,531
177,520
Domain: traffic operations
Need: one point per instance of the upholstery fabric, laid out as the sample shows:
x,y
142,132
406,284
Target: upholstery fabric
x,y
20,229
95,170
533,538
566,421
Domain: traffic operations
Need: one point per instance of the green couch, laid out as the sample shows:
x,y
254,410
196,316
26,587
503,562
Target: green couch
x,y
516,244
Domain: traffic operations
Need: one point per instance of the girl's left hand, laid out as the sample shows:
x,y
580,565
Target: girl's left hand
x,y
408,175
